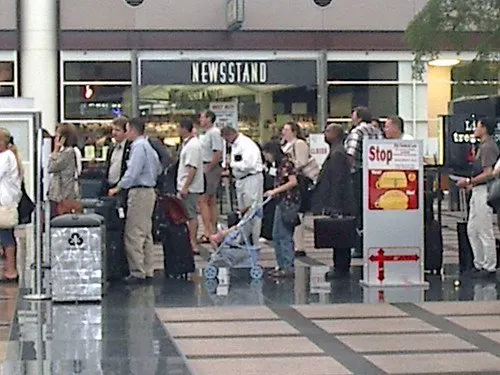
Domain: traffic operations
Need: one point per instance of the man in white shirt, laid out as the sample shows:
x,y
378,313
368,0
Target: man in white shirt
x,y
117,156
190,183
246,166
394,129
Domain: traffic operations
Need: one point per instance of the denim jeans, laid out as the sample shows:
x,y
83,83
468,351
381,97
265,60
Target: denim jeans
x,y
284,246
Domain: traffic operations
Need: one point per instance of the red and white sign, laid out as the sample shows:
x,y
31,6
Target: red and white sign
x,y
397,155
226,114
385,265
319,149
393,245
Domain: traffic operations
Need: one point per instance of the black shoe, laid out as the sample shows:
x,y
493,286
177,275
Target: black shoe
x,y
484,274
337,275
132,280
300,254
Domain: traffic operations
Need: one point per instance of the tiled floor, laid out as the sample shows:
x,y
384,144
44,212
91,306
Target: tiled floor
x,y
300,326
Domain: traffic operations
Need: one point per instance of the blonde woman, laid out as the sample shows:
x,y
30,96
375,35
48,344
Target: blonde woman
x,y
297,150
10,194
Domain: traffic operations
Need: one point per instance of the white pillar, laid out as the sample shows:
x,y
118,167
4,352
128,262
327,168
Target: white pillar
x,y
39,57
265,99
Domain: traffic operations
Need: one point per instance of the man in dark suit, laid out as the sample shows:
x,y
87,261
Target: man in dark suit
x,y
117,157
333,193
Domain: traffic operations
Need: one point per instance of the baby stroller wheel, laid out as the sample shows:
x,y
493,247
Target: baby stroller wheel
x,y
210,272
256,272
211,285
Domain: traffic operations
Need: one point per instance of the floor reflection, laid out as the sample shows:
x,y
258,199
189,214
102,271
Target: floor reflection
x,y
122,335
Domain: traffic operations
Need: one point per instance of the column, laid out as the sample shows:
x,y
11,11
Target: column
x,y
38,57
322,78
265,101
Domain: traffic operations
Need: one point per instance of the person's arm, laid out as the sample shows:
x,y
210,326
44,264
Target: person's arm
x,y
338,163
216,145
290,184
134,167
6,167
59,161
189,180
496,169
351,146
488,160
193,160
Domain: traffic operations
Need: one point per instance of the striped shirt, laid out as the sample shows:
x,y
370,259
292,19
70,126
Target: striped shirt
x,y
354,142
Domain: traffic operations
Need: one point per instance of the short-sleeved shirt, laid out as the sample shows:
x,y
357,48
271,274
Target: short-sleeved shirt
x,y
286,169
354,142
190,156
211,141
486,156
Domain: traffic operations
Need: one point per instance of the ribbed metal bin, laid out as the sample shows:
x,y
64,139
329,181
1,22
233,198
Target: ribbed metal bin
x,y
77,254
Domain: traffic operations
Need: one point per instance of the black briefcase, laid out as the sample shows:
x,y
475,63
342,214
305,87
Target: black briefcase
x,y
336,232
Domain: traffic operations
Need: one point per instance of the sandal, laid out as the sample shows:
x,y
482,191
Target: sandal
x,y
203,240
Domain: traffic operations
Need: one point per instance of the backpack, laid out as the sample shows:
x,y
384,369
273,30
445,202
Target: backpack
x,y
165,161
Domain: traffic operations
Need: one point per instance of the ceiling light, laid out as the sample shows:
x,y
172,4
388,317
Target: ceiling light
x,y
444,62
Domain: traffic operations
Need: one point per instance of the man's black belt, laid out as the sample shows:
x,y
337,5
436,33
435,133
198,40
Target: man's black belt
x,y
246,176
142,187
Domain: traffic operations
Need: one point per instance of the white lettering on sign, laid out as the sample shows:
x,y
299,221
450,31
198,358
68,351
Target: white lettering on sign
x,y
401,155
228,72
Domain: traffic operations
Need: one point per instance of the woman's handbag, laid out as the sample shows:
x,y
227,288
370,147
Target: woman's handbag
x,y
25,207
9,217
290,213
494,194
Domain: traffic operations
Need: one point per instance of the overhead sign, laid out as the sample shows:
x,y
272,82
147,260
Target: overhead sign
x,y
235,14
393,177
228,72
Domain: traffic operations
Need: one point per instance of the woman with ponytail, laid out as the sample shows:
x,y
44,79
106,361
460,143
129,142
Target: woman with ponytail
x,y
11,172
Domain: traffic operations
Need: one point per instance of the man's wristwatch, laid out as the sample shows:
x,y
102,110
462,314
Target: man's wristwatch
x,y
469,181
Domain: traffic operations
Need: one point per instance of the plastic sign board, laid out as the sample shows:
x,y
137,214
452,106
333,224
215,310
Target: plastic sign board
x,y
319,149
393,213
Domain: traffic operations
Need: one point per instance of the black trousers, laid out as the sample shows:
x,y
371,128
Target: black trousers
x,y
342,259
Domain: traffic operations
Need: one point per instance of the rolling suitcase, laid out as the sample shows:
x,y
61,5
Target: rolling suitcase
x,y
178,259
433,233
465,256
116,259
433,240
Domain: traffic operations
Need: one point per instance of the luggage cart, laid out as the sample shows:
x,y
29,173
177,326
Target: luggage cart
x,y
236,251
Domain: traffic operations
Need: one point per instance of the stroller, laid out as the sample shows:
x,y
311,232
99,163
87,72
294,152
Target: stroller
x,y
235,250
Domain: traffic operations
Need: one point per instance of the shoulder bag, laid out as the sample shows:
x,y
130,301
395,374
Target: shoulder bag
x,y
9,217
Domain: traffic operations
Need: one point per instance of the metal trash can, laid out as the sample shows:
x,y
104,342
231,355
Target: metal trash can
x,y
78,245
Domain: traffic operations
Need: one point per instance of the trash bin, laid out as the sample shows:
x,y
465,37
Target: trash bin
x,y
77,256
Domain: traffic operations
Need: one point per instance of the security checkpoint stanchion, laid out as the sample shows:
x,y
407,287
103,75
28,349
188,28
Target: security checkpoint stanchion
x,y
393,205
38,291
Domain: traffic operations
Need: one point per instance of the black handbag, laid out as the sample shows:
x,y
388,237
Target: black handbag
x,y
290,213
25,207
494,194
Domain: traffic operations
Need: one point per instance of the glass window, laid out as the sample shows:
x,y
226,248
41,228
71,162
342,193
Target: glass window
x,y
382,100
97,71
363,71
474,83
6,71
6,90
95,102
